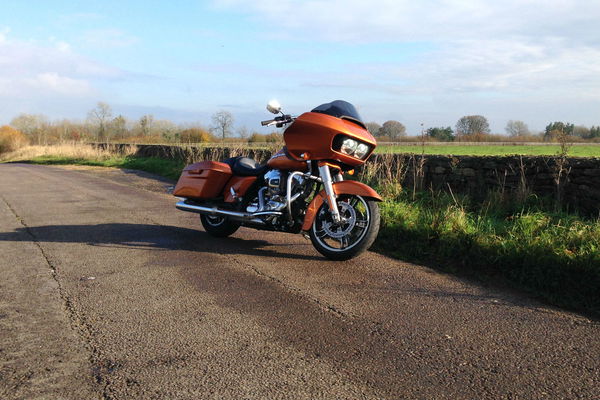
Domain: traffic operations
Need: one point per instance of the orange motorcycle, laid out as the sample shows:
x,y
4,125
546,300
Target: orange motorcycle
x,y
300,189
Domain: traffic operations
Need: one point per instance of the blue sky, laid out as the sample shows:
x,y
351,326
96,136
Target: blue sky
x,y
428,61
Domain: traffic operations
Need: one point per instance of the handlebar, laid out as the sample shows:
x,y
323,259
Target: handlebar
x,y
278,121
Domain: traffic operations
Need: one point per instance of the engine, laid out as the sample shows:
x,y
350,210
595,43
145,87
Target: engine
x,y
274,183
273,196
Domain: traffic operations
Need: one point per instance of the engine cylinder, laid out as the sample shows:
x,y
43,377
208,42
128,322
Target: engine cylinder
x,y
273,182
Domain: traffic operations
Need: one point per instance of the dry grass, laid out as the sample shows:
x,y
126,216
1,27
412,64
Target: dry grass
x,y
387,170
192,153
66,150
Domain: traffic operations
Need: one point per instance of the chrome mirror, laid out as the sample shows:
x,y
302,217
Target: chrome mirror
x,y
274,107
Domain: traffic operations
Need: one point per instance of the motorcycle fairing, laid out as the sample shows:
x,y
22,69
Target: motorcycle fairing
x,y
313,135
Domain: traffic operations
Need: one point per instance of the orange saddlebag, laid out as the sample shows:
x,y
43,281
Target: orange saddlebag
x,y
203,180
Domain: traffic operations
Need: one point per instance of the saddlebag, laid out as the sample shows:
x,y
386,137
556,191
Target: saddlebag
x,y
203,180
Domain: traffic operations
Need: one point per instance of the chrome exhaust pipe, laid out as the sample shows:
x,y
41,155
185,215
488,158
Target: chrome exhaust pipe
x,y
241,216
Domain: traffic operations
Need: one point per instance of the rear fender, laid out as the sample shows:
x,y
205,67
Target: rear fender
x,y
344,187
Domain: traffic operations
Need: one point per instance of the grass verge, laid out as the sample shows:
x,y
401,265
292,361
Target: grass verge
x,y
81,154
168,168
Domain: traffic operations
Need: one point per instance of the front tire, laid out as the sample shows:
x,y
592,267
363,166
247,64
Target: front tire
x,y
218,226
355,234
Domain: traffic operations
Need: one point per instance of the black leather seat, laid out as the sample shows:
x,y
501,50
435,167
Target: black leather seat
x,y
244,166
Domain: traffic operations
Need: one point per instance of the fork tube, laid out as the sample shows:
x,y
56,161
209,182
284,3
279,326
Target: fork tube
x,y
331,198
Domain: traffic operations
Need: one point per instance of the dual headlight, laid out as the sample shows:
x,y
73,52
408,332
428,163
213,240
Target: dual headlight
x,y
354,148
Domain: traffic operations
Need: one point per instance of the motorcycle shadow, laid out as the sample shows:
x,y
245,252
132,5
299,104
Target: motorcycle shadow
x,y
151,237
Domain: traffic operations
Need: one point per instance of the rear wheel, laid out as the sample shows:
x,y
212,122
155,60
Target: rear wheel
x,y
218,226
353,235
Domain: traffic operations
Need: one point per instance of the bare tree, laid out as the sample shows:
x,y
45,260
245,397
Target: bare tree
x,y
392,129
119,126
373,128
146,124
100,117
222,123
64,129
243,133
165,128
33,125
516,128
472,125
581,131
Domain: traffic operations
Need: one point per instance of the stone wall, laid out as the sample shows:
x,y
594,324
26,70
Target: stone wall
x,y
578,187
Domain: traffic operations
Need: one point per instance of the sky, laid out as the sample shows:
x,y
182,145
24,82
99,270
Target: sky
x,y
424,62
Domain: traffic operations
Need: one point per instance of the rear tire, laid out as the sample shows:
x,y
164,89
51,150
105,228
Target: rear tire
x,y
218,226
354,236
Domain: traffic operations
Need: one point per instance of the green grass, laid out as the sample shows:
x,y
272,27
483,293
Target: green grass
x,y
553,255
492,150
167,168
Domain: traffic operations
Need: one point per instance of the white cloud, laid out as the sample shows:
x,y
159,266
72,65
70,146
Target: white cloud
x,y
508,66
63,46
438,20
34,74
25,58
519,52
57,84
476,66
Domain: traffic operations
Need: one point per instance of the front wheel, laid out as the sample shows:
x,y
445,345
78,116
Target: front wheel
x,y
354,234
218,226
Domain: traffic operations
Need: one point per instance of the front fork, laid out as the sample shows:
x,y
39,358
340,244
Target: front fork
x,y
325,175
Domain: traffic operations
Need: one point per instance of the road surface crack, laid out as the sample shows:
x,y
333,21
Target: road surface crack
x,y
78,324
322,305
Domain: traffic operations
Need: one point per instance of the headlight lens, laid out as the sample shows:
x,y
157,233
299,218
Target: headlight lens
x,y
349,146
361,150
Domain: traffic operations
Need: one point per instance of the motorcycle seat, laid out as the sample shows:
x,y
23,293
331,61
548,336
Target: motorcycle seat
x,y
244,166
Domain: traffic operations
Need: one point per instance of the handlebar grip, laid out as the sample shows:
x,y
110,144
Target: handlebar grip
x,y
282,120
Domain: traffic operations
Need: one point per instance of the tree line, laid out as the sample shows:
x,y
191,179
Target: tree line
x,y
476,128
102,125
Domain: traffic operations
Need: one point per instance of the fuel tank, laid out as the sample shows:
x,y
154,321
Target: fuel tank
x,y
282,161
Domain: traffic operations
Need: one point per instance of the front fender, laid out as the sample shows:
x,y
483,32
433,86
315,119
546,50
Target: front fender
x,y
343,187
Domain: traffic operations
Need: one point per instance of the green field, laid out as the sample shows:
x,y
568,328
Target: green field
x,y
591,150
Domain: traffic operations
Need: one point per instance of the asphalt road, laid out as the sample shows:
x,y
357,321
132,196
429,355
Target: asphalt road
x,y
108,292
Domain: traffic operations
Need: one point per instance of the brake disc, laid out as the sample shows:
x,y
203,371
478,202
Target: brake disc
x,y
348,215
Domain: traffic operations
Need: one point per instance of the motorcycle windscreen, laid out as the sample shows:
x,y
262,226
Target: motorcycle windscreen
x,y
341,109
